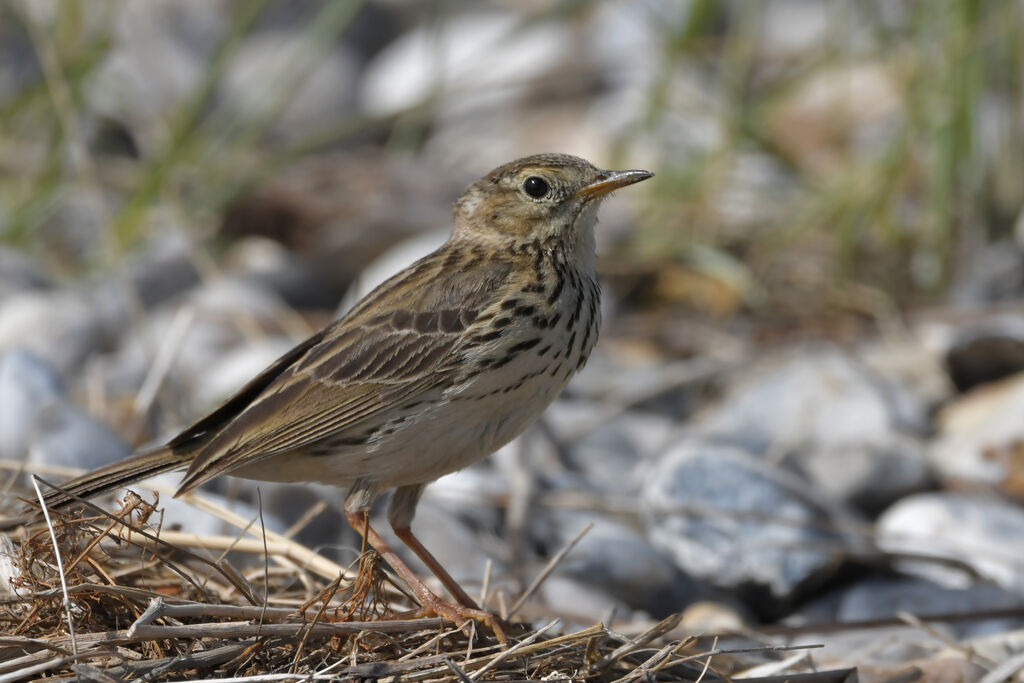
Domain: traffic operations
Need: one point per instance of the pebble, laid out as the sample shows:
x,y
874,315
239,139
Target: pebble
x,y
58,326
18,272
391,261
40,425
472,495
991,272
610,455
182,516
918,371
982,535
27,385
272,267
283,75
579,602
154,64
63,434
163,268
228,374
750,529
707,616
792,27
885,598
213,323
487,58
620,562
854,435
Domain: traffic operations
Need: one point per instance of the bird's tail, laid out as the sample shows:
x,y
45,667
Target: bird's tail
x,y
116,475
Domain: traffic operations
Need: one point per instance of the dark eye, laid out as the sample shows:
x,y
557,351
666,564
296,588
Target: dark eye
x,y
535,187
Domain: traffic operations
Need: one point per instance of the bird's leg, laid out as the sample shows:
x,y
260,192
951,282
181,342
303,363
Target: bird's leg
x,y
400,514
357,510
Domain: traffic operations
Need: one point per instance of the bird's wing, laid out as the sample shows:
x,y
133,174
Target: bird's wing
x,y
400,345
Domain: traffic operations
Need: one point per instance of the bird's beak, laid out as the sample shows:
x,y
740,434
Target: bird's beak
x,y
609,181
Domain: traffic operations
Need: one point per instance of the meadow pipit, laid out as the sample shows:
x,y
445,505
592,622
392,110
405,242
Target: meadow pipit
x,y
439,366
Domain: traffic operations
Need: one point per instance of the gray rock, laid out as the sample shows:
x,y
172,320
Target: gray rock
x,y
271,266
27,385
235,296
620,562
790,28
983,535
19,62
610,455
229,374
624,40
181,515
159,271
991,272
472,495
392,261
164,268
18,272
816,409
155,63
890,649
625,381
204,343
327,533
37,420
221,319
869,478
282,74
580,602
74,229
60,327
886,598
63,434
727,517
813,392
488,58
915,367
1000,647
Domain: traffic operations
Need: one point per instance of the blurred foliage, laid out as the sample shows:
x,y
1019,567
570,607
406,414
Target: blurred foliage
x,y
204,160
895,199
876,160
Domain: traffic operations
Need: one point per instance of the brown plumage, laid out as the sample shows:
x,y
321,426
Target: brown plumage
x,y
439,366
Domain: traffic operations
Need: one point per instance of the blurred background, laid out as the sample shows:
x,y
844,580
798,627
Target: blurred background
x,y
805,405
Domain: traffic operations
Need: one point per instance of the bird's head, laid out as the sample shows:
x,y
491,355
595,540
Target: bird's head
x,y
545,197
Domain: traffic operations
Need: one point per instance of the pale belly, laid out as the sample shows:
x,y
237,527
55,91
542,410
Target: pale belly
x,y
445,436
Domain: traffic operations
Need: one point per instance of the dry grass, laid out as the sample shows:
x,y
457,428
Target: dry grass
x,y
148,604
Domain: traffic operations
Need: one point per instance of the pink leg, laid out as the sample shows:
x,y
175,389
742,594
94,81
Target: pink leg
x,y
356,511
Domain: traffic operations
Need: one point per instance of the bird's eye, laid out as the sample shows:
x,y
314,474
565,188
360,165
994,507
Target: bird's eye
x,y
536,187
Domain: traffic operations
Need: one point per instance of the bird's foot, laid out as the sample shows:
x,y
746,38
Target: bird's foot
x,y
435,606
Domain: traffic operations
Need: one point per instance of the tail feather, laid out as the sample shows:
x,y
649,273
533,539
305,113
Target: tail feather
x,y
116,475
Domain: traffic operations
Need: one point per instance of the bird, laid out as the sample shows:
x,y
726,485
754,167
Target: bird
x,y
436,368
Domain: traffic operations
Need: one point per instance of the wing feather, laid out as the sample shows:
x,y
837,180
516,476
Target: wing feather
x,y
401,344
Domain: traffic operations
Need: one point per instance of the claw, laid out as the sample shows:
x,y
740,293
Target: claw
x,y
434,606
